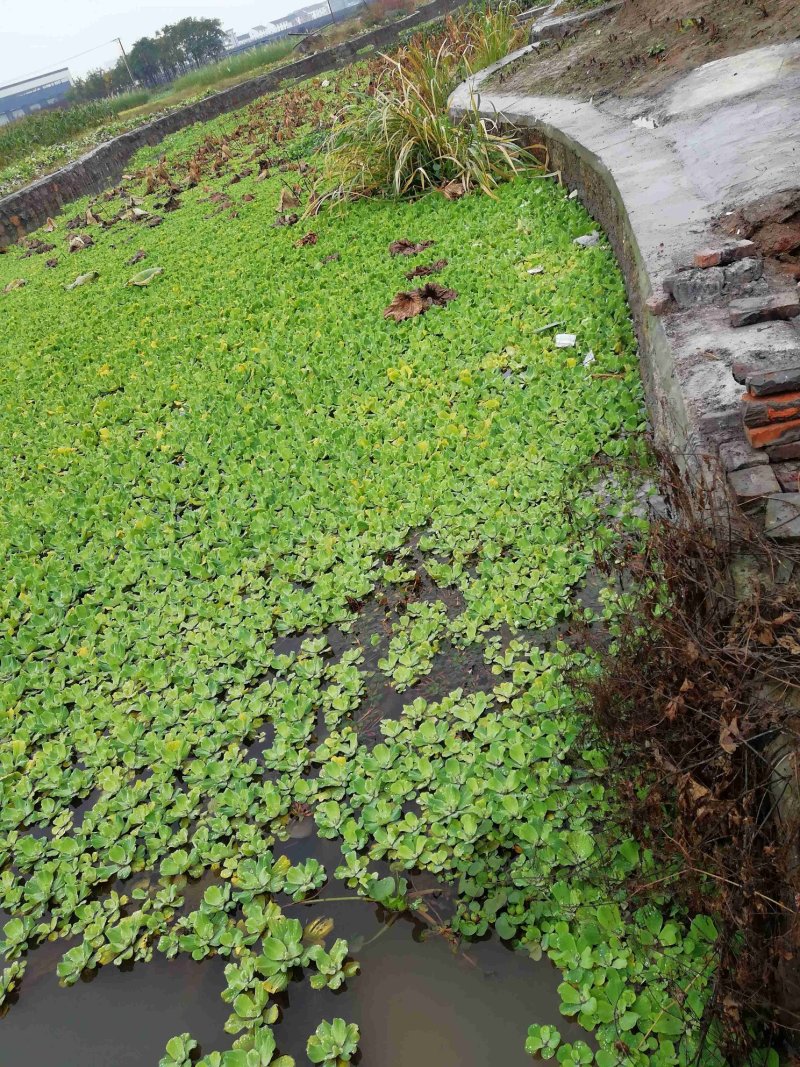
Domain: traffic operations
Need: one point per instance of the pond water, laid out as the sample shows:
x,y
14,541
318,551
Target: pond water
x,y
418,999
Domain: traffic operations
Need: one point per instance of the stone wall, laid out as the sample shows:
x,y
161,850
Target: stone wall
x,y
28,209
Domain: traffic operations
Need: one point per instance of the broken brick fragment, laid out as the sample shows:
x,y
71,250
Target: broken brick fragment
x,y
763,309
723,254
659,302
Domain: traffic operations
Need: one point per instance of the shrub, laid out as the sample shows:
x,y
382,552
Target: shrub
x,y
401,140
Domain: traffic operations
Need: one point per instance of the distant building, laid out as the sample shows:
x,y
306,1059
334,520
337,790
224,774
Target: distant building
x,y
32,94
302,15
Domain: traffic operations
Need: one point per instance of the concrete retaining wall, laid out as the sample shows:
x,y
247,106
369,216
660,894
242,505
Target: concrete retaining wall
x,y
28,209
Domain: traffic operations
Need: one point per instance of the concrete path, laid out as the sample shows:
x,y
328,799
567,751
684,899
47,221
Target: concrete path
x,y
657,173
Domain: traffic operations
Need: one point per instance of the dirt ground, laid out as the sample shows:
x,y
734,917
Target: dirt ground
x,y
647,43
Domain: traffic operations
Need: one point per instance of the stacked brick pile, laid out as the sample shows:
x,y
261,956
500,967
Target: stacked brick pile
x,y
771,405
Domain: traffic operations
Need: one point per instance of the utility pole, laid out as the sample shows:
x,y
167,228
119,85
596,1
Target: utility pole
x,y
125,61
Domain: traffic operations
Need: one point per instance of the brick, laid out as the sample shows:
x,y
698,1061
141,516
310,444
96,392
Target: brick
x,y
782,521
764,411
692,287
723,254
659,302
737,454
780,453
763,309
753,484
788,474
782,433
770,382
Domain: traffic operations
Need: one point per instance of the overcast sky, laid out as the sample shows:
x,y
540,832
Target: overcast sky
x,y
41,35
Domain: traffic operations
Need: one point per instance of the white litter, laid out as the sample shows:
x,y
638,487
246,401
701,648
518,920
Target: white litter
x,y
573,195
565,340
326,83
535,270
588,359
645,122
587,240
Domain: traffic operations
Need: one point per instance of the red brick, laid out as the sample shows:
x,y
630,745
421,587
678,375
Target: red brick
x,y
659,303
781,433
764,411
724,254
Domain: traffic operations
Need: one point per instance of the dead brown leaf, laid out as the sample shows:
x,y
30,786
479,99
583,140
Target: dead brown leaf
x,y
404,247
17,283
287,200
247,198
80,241
436,295
51,262
405,306
91,218
729,736
310,238
49,226
424,270
286,220
454,190
137,257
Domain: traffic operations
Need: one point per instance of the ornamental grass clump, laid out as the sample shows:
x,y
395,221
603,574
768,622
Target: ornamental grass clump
x,y
401,141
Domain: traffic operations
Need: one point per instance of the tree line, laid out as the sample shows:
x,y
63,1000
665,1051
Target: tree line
x,y
172,51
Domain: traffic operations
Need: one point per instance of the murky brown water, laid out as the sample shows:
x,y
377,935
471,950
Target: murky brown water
x,y
417,1000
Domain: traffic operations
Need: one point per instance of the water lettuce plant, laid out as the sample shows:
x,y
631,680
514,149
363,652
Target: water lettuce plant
x,y
241,510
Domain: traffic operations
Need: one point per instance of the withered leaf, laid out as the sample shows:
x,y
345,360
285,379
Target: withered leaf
x,y
80,241
789,643
51,262
404,247
287,200
405,306
286,220
331,258
424,270
247,198
729,736
17,283
310,238
49,226
453,190
436,295
91,218
155,220
137,257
